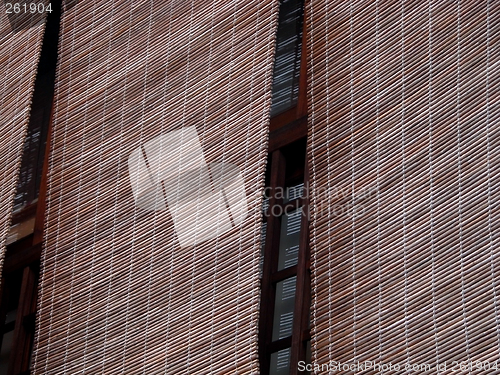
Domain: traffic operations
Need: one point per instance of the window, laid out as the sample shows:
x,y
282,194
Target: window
x,y
18,292
284,328
285,299
287,60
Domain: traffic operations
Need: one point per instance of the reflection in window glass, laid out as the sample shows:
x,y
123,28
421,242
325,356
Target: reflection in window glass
x,y
280,362
262,246
289,239
265,205
287,59
30,170
283,308
294,192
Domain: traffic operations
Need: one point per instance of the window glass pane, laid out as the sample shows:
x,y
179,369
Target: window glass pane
x,y
280,362
289,239
10,317
287,59
5,351
265,205
31,166
283,308
262,246
294,192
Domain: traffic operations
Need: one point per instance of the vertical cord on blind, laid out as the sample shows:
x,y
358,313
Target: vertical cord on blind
x,y
379,278
98,189
405,260
205,112
431,186
354,286
79,192
328,244
135,232
314,202
490,235
459,160
156,235
116,200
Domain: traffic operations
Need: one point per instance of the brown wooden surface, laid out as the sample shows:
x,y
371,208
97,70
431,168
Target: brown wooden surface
x,y
288,133
129,291
25,214
5,296
22,258
282,119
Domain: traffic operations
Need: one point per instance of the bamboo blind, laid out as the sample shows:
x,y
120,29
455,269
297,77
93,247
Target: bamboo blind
x,y
404,127
117,292
20,44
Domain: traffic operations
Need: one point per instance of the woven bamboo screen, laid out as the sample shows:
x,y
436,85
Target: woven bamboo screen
x,y
404,150
118,294
20,44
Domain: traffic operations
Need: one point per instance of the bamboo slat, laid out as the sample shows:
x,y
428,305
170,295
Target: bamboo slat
x,y
20,45
404,149
118,294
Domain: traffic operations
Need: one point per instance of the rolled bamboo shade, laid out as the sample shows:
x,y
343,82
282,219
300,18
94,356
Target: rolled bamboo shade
x,y
118,294
20,44
404,149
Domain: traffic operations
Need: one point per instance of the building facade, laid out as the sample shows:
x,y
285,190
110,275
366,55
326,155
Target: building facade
x,y
249,187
